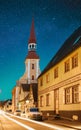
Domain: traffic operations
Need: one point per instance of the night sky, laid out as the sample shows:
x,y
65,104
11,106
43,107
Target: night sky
x,y
55,21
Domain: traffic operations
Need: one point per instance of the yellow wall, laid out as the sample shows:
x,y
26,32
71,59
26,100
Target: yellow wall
x,y
62,77
61,74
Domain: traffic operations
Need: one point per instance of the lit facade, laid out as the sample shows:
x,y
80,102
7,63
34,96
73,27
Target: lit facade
x,y
59,85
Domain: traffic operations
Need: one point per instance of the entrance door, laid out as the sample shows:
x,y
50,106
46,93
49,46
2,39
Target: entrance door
x,y
56,104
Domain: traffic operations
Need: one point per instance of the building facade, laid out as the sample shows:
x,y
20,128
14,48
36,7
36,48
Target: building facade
x,y
59,85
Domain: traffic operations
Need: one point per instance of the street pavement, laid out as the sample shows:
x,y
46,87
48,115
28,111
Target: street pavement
x,y
64,122
59,124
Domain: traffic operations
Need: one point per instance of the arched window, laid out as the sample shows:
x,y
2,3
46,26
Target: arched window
x,y
30,46
33,47
32,77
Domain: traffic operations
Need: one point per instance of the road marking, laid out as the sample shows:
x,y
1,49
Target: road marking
x,y
40,123
36,122
17,122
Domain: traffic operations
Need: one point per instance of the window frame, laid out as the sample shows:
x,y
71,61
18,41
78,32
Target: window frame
x,y
75,61
72,96
41,82
56,72
33,66
47,78
67,66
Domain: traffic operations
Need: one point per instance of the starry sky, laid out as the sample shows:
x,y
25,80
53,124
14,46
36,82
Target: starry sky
x,y
55,21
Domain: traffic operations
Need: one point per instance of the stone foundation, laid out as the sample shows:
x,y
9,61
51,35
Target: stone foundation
x,y
70,115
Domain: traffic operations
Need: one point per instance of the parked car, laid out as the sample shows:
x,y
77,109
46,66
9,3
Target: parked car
x,y
17,113
35,114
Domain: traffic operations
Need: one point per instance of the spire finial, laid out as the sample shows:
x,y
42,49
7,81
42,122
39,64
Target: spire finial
x,y
32,38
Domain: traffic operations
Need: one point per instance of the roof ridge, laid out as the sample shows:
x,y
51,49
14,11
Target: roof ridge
x,y
65,49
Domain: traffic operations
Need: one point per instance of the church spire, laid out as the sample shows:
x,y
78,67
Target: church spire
x,y
32,38
32,46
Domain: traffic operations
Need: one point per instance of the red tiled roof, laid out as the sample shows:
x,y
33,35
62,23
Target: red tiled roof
x,y
32,55
32,38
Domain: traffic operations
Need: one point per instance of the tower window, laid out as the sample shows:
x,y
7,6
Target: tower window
x,y
32,66
32,46
32,77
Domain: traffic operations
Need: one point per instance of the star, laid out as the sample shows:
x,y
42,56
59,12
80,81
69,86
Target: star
x,y
53,18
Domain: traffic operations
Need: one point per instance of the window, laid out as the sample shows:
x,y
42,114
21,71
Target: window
x,y
67,95
41,81
56,72
67,66
41,101
47,78
32,77
75,61
75,94
32,46
72,94
32,66
47,99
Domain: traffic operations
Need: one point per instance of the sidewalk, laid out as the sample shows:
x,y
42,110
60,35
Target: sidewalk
x,y
63,122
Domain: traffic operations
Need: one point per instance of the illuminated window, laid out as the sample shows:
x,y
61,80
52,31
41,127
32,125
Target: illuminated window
x,y
75,61
56,72
41,101
67,66
47,99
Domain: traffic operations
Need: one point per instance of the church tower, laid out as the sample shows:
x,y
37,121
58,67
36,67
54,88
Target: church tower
x,y
32,59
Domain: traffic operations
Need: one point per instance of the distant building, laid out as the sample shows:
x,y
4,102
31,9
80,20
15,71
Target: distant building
x,y
15,97
27,93
8,105
59,84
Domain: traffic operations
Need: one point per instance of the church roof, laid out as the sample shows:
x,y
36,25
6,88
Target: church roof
x,y
71,44
35,92
25,87
32,55
25,98
32,38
